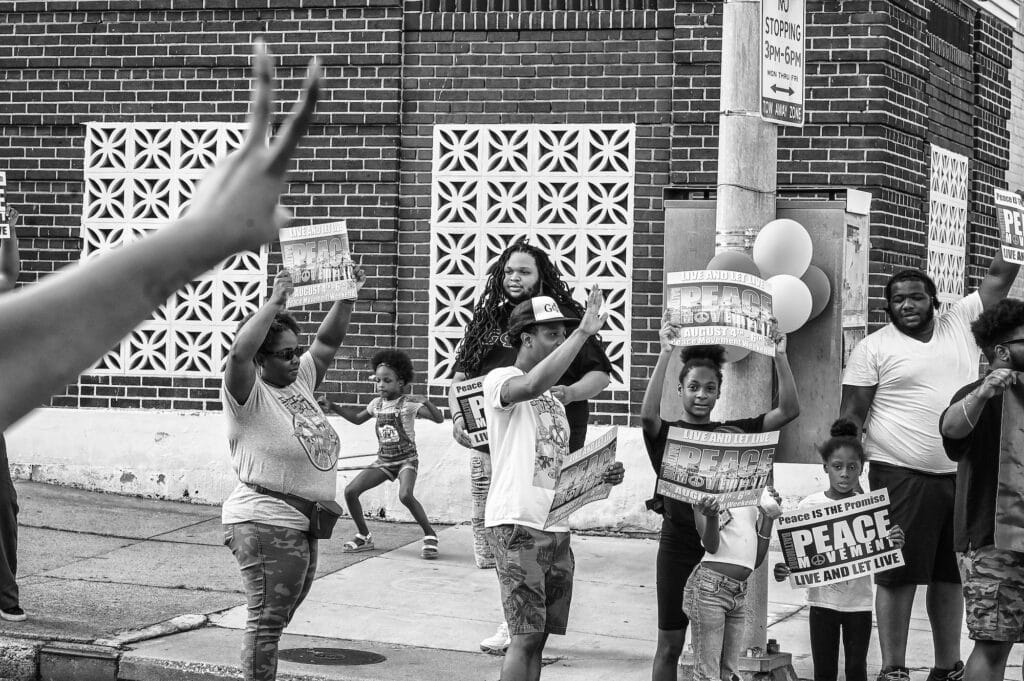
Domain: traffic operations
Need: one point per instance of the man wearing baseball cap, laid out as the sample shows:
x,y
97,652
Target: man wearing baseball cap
x,y
529,437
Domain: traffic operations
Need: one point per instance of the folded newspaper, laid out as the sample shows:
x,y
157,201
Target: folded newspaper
x,y
581,478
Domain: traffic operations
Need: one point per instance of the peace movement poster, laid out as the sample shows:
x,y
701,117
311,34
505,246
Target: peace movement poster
x,y
839,541
719,307
320,262
734,467
581,478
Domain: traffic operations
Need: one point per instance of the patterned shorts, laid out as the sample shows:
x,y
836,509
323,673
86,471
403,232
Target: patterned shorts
x,y
993,594
535,570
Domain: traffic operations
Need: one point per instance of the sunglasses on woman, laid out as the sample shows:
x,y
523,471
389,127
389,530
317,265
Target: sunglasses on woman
x,y
286,354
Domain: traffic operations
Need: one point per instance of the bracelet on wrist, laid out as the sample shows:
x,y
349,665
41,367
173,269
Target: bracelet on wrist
x,y
963,405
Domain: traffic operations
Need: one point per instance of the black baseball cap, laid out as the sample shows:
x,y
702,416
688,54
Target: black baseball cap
x,y
539,310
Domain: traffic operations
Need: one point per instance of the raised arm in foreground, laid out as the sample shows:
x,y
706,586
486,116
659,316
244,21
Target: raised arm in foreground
x,y
54,330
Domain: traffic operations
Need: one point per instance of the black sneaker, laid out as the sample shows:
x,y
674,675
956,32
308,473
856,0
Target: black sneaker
x,y
954,674
13,614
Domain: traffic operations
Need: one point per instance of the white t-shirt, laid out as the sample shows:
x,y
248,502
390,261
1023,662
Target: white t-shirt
x,y
737,537
528,442
280,440
915,383
853,595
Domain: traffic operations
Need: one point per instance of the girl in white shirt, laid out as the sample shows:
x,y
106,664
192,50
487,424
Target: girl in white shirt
x,y
736,542
844,607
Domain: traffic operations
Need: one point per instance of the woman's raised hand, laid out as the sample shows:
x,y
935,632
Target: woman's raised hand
x,y
283,287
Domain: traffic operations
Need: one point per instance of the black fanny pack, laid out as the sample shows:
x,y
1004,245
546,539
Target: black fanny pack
x,y
323,515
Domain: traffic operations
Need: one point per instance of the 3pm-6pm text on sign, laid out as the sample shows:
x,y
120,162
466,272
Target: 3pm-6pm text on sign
x,y
782,61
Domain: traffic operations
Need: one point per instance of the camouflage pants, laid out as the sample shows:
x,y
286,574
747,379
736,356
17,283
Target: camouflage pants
x,y
993,594
480,484
277,564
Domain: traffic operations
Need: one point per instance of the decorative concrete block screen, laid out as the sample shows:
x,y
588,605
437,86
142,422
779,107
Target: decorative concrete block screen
x,y
947,224
138,177
569,188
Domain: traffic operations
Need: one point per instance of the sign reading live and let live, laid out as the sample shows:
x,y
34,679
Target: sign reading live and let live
x,y
839,541
734,467
469,396
320,261
1010,215
5,224
718,307
1009,520
581,478
782,61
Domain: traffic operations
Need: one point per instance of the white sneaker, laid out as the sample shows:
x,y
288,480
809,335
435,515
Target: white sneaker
x,y
499,642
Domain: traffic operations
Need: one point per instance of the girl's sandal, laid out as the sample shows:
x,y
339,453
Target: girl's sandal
x,y
359,543
429,550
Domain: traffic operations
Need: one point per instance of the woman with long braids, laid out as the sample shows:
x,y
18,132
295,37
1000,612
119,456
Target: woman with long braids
x,y
521,272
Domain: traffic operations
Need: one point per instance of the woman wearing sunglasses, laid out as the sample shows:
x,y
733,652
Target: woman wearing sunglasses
x,y
281,443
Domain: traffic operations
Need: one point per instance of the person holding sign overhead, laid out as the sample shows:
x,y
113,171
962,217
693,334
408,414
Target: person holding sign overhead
x,y
520,272
841,609
529,439
680,548
993,575
284,452
897,382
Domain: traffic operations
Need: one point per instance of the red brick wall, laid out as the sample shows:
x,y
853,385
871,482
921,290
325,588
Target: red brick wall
x,y
66,63
612,67
881,86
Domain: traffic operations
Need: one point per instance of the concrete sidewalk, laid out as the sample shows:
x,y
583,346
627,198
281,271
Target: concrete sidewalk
x,y
98,568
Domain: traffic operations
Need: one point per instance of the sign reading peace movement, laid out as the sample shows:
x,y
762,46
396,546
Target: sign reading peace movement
x,y
734,467
719,307
469,396
1010,216
839,541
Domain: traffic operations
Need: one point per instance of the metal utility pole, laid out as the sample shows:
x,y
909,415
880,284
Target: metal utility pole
x,y
747,168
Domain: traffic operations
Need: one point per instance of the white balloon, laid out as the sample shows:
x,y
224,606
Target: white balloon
x,y
734,353
782,247
791,301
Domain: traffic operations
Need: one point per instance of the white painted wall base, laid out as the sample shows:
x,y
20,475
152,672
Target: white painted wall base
x,y
184,456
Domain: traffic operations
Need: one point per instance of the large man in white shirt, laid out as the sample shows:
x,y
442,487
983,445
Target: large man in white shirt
x,y
529,437
898,381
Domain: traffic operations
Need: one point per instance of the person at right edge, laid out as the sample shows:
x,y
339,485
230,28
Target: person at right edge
x,y
10,605
897,382
993,579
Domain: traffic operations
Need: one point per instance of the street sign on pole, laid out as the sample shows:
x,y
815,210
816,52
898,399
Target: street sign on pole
x,y
782,61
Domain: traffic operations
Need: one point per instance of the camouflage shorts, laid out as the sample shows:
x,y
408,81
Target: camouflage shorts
x,y
535,571
993,593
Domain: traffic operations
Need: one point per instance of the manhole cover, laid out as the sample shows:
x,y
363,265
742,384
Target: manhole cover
x,y
337,656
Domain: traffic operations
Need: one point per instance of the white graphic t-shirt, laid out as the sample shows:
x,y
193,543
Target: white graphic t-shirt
x,y
528,442
915,383
280,440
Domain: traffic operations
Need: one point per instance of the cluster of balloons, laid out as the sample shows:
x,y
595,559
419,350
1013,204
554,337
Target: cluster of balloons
x,y
782,257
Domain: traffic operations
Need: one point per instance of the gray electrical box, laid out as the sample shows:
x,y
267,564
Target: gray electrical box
x,y
816,351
